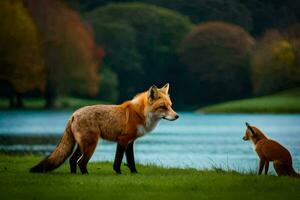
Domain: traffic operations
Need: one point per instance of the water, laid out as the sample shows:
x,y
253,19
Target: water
x,y
193,141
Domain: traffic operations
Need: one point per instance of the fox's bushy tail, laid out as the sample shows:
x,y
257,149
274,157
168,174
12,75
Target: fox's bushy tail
x,y
59,154
294,173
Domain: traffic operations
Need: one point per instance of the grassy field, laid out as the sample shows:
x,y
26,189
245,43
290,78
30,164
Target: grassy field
x,y
61,103
284,102
150,183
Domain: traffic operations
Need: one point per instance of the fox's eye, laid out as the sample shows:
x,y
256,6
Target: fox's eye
x,y
162,107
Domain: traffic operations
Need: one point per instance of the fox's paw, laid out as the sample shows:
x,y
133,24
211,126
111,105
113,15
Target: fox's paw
x,y
117,170
132,169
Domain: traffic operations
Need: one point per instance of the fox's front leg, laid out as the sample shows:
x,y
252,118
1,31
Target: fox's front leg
x,y
118,158
261,165
130,158
267,167
123,141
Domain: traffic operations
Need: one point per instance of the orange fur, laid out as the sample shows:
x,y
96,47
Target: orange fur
x,y
270,150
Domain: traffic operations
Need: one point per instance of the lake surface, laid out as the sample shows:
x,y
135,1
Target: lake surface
x,y
193,141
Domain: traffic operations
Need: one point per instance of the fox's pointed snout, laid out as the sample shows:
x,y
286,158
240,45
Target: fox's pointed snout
x,y
171,118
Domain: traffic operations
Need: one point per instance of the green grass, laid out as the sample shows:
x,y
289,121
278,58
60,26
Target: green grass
x,y
284,102
150,183
61,103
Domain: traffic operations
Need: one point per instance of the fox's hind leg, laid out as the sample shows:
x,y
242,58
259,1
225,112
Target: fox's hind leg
x,y
74,158
130,158
87,148
280,168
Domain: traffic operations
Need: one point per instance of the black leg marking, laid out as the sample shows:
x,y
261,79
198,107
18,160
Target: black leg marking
x,y
73,160
130,158
82,163
267,167
87,154
118,158
261,165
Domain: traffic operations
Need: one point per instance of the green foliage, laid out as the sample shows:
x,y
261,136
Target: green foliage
x,y
20,59
231,11
109,86
121,54
255,16
150,183
217,56
268,14
141,42
119,41
54,51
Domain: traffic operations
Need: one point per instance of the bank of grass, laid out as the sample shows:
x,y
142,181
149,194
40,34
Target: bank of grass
x,y
150,183
71,103
283,102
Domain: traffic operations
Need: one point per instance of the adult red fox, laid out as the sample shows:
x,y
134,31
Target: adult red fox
x,y
270,150
119,123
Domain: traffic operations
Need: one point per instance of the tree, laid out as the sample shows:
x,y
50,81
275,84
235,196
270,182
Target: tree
x,y
109,86
141,42
255,16
21,67
122,56
217,57
70,54
292,33
268,14
84,5
231,11
275,63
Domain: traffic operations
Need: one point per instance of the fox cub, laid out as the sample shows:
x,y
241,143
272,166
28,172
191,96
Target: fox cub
x,y
270,150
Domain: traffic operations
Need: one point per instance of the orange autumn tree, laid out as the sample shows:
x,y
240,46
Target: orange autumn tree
x,y
70,54
275,62
21,68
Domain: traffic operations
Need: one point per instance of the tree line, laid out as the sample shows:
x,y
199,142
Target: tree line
x,y
209,50
47,49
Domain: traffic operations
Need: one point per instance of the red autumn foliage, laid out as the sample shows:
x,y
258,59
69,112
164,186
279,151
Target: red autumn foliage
x,y
71,56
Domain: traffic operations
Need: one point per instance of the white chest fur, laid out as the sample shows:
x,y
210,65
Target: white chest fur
x,y
253,146
148,126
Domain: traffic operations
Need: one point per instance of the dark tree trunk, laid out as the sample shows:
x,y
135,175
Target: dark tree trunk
x,y
8,90
50,95
11,101
19,103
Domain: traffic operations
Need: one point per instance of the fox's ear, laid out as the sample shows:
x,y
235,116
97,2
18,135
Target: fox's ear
x,y
165,88
251,129
152,93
